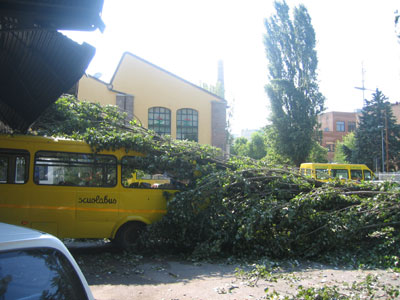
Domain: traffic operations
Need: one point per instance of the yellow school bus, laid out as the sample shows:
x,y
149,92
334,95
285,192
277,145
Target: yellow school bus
x,y
61,187
326,172
143,179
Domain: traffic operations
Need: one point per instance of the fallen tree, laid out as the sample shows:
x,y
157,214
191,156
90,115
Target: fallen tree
x,y
239,206
269,212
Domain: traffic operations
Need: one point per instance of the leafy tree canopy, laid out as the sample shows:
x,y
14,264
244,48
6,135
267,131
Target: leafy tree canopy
x,y
105,128
293,89
318,153
240,146
344,149
255,148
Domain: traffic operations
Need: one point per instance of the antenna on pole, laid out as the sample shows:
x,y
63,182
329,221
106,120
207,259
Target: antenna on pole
x,y
362,83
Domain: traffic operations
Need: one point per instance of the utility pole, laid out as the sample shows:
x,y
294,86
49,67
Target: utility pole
x,y
383,151
387,141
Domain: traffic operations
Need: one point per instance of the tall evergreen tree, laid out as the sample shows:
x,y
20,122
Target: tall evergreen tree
x,y
293,89
377,118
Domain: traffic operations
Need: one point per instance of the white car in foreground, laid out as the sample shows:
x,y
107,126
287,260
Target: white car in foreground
x,y
37,265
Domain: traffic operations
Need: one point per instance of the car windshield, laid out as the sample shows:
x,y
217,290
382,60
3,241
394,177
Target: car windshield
x,y
40,274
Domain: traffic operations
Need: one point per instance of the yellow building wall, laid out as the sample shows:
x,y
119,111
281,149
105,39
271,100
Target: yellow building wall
x,y
96,91
152,86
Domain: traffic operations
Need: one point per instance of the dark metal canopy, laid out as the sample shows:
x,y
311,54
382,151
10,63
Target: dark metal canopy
x,y
51,14
37,63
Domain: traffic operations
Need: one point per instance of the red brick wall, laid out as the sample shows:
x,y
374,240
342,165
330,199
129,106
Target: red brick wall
x,y
330,134
328,126
218,125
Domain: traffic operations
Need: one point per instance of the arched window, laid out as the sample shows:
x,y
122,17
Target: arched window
x,y
160,120
187,124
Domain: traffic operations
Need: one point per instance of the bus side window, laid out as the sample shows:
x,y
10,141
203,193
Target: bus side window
x,y
322,173
340,173
367,175
132,177
356,175
14,166
75,169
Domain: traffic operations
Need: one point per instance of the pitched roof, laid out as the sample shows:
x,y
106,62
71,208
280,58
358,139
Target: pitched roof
x,y
162,70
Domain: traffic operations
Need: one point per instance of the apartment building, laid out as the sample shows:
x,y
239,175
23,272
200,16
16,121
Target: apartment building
x,y
335,125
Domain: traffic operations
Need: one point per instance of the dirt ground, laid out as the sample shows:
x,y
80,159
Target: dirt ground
x,y
116,275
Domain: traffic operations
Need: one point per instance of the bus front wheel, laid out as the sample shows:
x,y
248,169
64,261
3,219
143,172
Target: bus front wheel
x,y
128,234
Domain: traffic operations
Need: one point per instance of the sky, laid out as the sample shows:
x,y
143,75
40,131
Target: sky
x,y
188,38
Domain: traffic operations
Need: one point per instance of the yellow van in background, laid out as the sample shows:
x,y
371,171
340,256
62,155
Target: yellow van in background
x,y
326,172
